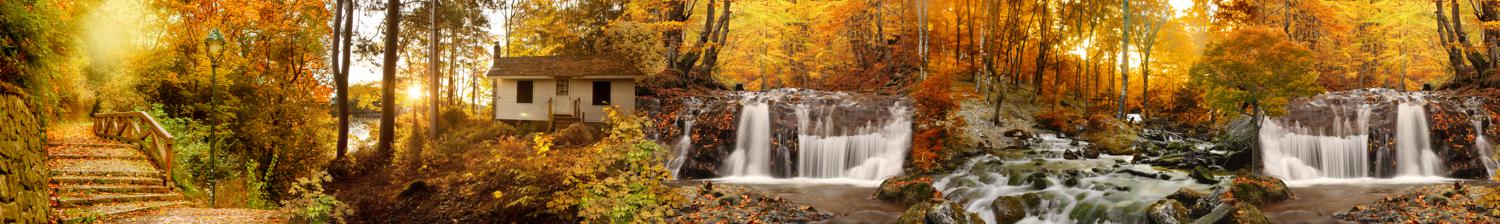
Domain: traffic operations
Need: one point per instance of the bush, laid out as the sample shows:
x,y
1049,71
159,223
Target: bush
x,y
624,184
310,205
937,127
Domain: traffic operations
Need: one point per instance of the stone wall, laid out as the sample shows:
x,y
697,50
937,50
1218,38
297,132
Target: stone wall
x,y
23,171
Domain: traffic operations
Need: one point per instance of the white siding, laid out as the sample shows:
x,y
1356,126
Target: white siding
x,y
622,96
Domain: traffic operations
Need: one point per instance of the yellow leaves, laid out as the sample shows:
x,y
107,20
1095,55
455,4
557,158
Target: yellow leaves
x,y
543,144
497,194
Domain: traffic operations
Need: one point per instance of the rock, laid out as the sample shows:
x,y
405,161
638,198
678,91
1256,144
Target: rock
x,y
938,211
1167,212
1204,176
1259,189
23,169
1039,181
1238,213
1008,209
1186,196
906,189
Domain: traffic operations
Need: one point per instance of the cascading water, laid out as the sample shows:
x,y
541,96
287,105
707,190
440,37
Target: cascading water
x,y
1340,147
835,138
1482,145
752,151
1109,189
874,154
1414,151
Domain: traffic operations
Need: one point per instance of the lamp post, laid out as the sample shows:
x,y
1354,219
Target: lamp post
x,y
215,45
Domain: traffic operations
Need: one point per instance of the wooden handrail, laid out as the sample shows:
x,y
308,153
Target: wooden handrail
x,y
578,113
551,118
139,128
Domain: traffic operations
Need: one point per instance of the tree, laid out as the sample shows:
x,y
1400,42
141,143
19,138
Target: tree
x,y
1124,58
388,82
1152,15
343,29
1254,71
1470,61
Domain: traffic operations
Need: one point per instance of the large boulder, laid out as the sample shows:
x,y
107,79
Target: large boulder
x,y
1258,189
906,189
1008,209
938,211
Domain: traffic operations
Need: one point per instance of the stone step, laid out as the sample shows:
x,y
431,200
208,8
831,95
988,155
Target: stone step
x,y
104,198
119,188
102,165
81,180
106,173
83,156
92,145
94,212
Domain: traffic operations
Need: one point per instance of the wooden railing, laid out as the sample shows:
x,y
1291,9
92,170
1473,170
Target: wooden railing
x,y
139,128
552,117
577,112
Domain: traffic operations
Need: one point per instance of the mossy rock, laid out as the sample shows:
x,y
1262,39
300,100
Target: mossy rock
x,y
1008,209
906,189
1259,189
938,211
1246,214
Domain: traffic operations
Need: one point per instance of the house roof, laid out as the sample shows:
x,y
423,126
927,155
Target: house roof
x,y
579,66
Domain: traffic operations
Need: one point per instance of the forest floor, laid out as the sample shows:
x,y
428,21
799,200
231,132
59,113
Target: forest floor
x,y
204,215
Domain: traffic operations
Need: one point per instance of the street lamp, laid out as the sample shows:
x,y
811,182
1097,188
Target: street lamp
x,y
215,45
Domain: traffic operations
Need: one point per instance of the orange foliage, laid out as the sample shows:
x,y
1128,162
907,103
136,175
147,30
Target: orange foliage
x,y
935,104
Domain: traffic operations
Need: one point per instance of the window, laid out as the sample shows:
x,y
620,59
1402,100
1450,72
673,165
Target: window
x,y
601,93
523,91
562,87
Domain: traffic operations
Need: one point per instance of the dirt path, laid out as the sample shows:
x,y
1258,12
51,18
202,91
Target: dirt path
x,y
204,215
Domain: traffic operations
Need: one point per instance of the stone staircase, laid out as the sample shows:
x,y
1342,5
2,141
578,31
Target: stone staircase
x,y
99,178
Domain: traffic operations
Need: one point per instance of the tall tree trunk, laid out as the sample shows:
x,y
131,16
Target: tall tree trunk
x,y
341,80
432,92
1124,59
388,81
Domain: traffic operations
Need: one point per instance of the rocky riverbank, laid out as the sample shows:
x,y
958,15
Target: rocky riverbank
x,y
1443,203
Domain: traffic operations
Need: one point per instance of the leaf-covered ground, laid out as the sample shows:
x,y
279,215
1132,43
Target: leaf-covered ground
x,y
204,215
1446,203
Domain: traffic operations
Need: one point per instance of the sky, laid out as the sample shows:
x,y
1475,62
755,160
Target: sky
x,y
365,68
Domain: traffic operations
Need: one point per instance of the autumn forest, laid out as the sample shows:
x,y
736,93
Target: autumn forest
x,y
749,111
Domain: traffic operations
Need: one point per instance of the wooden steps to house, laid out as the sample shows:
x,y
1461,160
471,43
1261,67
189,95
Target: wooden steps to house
x,y
560,121
98,180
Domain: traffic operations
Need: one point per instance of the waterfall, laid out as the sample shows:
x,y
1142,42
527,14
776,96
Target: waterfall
x,y
681,148
1414,155
1341,148
836,138
1482,145
875,154
752,151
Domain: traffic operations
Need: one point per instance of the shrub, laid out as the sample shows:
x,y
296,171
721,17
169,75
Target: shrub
x,y
310,205
936,124
624,183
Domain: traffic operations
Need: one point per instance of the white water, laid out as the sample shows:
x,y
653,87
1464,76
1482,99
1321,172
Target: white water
x,y
1296,153
752,150
863,155
1482,145
1096,198
681,148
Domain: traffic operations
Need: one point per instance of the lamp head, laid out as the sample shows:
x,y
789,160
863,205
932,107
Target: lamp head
x,y
215,44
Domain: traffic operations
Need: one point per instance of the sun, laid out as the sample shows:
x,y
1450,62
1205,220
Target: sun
x,y
414,93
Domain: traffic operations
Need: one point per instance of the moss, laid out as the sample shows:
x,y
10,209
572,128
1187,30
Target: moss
x,y
906,189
